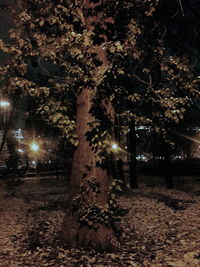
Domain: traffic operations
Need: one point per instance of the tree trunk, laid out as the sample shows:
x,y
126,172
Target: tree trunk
x,y
133,161
6,130
85,223
119,171
168,176
12,162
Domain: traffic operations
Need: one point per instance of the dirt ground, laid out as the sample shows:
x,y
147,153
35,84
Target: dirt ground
x,y
160,229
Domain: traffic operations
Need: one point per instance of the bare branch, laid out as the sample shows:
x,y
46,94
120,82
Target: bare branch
x,y
165,30
157,24
181,8
175,14
141,80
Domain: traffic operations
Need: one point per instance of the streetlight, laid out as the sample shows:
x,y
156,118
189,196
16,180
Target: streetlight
x,y
4,104
115,147
20,150
34,147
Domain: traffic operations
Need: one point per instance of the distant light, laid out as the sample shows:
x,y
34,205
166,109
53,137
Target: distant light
x,y
115,147
142,128
34,162
35,147
4,104
20,150
18,134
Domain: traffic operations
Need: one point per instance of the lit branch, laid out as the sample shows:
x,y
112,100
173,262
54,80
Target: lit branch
x,y
181,8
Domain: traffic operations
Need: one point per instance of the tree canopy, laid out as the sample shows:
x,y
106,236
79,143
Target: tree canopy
x,y
134,54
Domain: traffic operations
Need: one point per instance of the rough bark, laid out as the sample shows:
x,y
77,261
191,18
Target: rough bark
x,y
84,167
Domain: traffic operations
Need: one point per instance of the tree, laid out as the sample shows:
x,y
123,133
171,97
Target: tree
x,y
80,60
6,121
168,69
133,155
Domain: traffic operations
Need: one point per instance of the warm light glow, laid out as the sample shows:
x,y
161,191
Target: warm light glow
x,y
4,104
35,147
115,147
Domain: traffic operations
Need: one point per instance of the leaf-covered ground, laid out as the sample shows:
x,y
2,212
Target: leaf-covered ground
x,y
161,228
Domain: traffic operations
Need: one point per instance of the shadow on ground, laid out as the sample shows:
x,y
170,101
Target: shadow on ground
x,y
173,203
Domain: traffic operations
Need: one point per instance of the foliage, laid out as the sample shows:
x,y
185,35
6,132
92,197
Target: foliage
x,y
122,50
93,214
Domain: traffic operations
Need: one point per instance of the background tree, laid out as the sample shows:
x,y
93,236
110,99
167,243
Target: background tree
x,y
6,118
165,74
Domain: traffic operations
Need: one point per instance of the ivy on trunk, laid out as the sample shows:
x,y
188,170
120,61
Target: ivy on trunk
x,y
90,217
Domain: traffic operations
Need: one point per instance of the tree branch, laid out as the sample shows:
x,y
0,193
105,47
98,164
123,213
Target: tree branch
x,y
181,6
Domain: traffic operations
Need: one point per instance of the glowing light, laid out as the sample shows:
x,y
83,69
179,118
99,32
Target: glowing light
x,y
20,150
4,104
115,147
35,147
18,134
189,138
